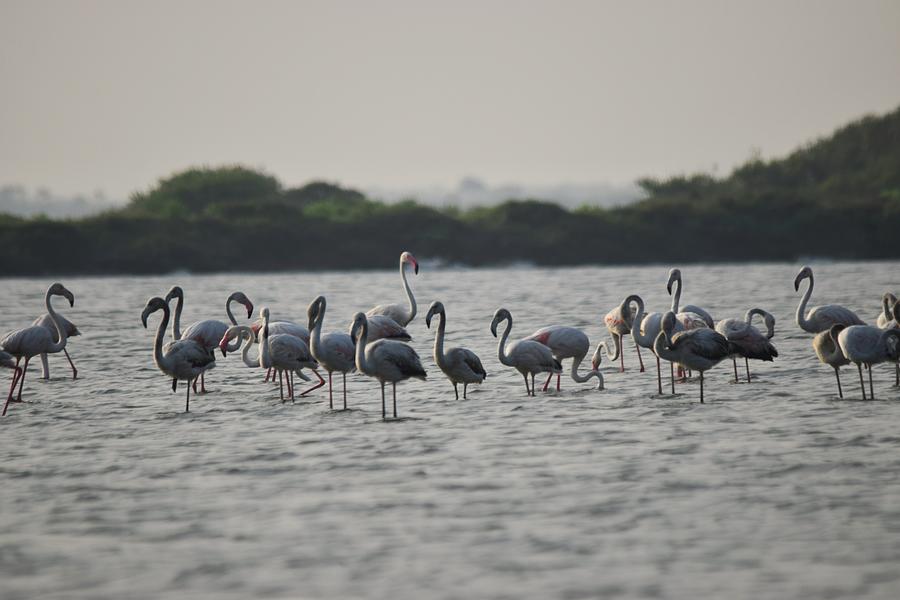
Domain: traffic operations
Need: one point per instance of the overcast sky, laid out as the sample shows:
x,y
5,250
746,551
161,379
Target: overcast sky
x,y
403,93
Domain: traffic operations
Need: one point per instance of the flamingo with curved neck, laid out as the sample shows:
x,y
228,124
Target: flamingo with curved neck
x,y
334,351
460,365
402,315
36,339
697,349
820,318
569,342
747,340
528,357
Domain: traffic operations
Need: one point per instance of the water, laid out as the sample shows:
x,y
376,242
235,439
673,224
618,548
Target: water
x,y
774,489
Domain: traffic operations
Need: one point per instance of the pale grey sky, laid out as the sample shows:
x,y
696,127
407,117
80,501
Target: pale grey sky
x,y
113,95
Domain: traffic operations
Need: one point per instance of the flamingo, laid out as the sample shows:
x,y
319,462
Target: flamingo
x,y
382,327
280,347
399,313
526,356
867,345
284,352
569,342
287,328
182,360
239,333
820,318
334,351
460,365
886,316
619,321
385,360
829,352
690,316
46,320
747,340
31,341
207,332
697,349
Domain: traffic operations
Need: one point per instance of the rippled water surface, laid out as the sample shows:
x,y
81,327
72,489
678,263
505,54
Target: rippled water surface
x,y
773,489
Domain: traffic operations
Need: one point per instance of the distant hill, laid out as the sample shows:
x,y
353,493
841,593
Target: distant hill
x,y
838,197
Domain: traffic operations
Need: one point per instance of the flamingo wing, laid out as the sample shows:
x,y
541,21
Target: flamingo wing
x,y
28,341
705,343
208,333
833,314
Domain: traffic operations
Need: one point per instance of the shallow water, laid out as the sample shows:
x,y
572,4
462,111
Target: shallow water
x,y
773,489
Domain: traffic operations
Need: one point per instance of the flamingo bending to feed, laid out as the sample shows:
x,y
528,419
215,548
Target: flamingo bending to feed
x,y
460,365
886,316
829,352
385,360
182,360
209,331
619,322
569,342
747,340
401,314
31,341
334,351
284,352
820,318
528,357
697,349
46,320
867,345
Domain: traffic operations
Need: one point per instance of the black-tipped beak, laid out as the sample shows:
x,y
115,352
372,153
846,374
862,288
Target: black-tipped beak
x,y
416,268
249,306
224,353
669,288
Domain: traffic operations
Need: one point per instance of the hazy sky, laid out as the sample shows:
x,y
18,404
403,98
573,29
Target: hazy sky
x,y
404,93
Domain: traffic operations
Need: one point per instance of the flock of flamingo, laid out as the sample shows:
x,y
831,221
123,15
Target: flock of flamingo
x,y
375,346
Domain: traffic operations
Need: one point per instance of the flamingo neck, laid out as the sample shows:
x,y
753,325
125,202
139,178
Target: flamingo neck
x,y
409,295
501,345
439,341
587,376
245,351
158,357
661,347
801,309
361,340
57,322
315,336
228,310
639,317
264,359
176,321
676,298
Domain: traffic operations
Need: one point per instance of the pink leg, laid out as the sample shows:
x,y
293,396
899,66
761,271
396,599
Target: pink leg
x,y
546,383
22,378
640,360
315,387
71,364
268,374
202,383
15,377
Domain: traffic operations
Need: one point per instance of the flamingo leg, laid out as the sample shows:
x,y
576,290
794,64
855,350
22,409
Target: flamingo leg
x,y
383,409
290,383
465,388
558,376
330,397
316,386
71,364
862,384
394,385
281,384
187,402
527,391
640,359
547,383
345,390
22,378
837,375
734,362
532,384
269,374
13,386
456,390
45,366
897,375
193,383
871,389
672,376
620,341
658,376
747,364
203,382
701,387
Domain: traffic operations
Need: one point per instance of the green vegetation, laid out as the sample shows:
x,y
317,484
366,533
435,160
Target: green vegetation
x,y
837,198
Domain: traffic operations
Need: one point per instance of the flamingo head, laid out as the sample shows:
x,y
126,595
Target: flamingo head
x,y
668,323
835,330
408,258
500,315
435,308
223,343
597,358
312,312
804,273
243,299
360,326
58,289
175,292
770,325
153,305
674,275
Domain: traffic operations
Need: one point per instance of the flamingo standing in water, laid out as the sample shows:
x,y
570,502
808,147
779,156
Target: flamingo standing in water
x,y
403,315
829,352
690,316
820,318
698,349
334,351
46,320
569,342
31,341
747,340
282,348
528,357
182,360
867,345
619,322
207,332
460,365
385,360
284,352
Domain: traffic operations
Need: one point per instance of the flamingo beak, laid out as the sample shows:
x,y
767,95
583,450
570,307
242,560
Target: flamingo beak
x,y
416,267
222,348
249,306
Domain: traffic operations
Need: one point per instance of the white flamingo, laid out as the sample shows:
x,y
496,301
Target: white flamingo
x,y
826,346
526,356
619,322
885,318
182,360
820,318
569,342
46,320
29,342
867,345
697,349
385,360
747,340
284,352
460,365
403,315
334,351
209,331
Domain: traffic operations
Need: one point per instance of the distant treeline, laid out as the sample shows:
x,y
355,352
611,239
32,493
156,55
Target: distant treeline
x,y
837,198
